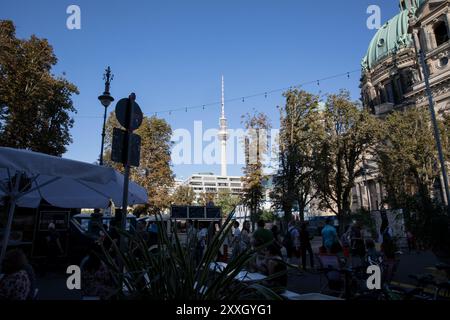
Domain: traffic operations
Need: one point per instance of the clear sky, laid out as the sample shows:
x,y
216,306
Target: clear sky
x,y
173,53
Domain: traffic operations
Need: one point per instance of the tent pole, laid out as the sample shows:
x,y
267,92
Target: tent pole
x,y
12,207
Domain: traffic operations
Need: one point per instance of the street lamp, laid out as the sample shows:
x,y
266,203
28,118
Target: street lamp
x,y
426,76
105,100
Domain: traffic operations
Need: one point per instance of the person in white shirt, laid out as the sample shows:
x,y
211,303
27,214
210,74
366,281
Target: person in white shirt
x,y
236,240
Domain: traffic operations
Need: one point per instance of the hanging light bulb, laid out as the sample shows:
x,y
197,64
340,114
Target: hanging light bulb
x,y
265,95
243,100
348,75
318,82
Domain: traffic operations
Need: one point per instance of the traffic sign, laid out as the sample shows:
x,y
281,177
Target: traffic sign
x,y
119,149
136,113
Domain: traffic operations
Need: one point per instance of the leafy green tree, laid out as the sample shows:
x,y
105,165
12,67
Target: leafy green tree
x,y
406,157
207,198
227,201
267,216
183,196
35,106
444,125
299,122
256,147
155,172
346,134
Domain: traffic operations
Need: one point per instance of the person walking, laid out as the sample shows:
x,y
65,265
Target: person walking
x,y
262,236
305,245
54,248
330,237
276,236
202,240
291,242
236,240
246,236
358,249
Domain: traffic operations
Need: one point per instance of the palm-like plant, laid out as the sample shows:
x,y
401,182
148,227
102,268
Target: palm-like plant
x,y
172,272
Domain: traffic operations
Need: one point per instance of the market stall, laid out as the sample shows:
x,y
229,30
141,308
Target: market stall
x,y
27,178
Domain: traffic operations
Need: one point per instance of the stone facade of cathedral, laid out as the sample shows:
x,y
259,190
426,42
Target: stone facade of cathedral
x,y
392,77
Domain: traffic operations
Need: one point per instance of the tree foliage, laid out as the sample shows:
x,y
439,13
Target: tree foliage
x,y
227,201
293,183
346,134
155,172
35,106
207,198
256,147
406,157
183,196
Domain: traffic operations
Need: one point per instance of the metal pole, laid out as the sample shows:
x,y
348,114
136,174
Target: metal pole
x,y
126,178
437,136
12,207
103,137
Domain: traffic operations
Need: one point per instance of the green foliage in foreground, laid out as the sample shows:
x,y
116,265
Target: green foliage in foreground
x,y
169,272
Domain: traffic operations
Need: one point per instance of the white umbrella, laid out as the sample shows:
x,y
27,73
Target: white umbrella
x,y
28,177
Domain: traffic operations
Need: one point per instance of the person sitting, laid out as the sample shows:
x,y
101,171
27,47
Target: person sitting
x,y
96,280
15,284
275,267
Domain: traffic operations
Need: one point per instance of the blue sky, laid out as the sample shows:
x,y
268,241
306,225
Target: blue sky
x,y
173,53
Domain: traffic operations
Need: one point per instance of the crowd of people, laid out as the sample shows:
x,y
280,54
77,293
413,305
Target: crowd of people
x,y
273,252
295,246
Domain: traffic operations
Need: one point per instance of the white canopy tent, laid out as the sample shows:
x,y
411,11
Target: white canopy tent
x,y
28,177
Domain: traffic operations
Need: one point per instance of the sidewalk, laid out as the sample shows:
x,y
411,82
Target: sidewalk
x,y
415,263
53,287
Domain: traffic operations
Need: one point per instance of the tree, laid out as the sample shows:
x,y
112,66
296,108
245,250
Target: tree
x,y
227,201
444,125
155,172
35,106
183,196
293,182
207,198
347,132
407,160
256,147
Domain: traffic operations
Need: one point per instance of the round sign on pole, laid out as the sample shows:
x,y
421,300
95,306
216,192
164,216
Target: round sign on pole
x,y
136,114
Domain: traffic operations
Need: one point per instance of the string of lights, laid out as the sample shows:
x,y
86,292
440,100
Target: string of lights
x,y
243,99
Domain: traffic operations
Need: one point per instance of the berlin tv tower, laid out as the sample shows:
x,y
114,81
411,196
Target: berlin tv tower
x,y
223,135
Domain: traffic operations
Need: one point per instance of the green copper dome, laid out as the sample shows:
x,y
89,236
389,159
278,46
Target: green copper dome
x,y
392,36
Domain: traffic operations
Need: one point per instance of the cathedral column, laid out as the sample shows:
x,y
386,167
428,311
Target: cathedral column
x,y
418,46
448,23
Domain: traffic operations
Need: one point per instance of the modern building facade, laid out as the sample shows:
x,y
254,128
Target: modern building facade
x,y
211,183
392,76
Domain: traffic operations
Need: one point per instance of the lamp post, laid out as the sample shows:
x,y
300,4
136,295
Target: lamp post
x,y
105,100
426,76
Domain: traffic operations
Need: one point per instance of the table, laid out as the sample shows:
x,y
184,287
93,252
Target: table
x,y
243,276
309,296
217,266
